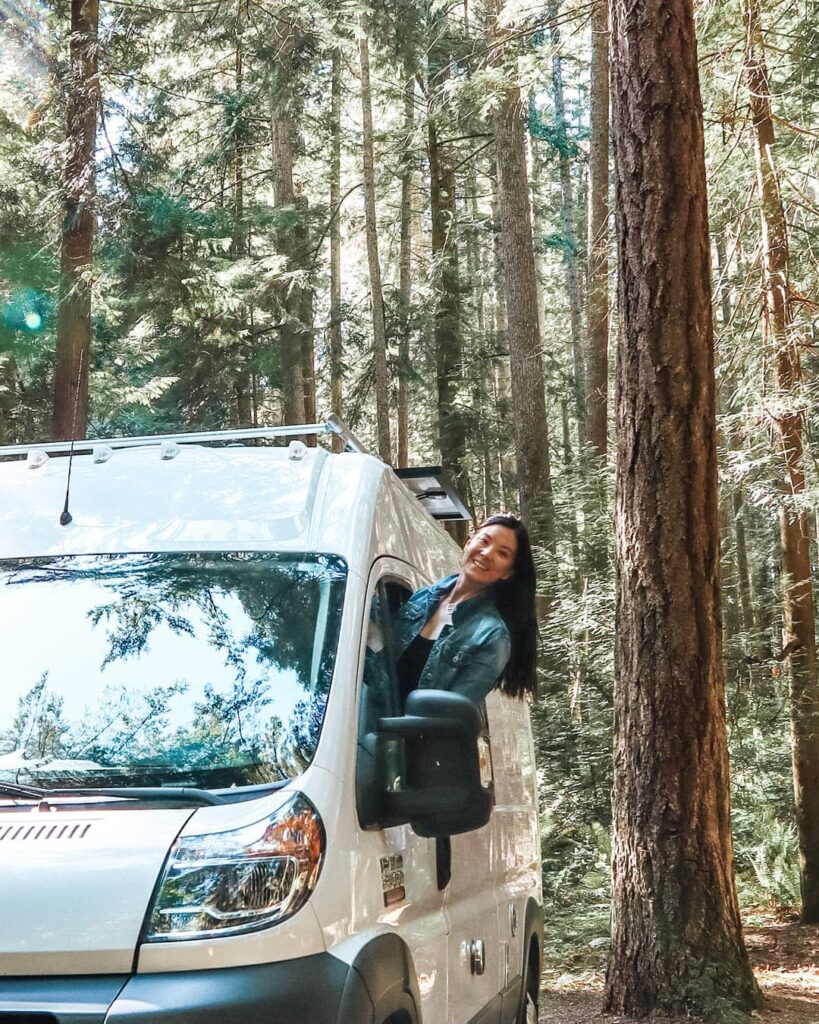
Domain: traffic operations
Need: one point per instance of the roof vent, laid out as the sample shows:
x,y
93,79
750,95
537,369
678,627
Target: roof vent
x,y
36,459
168,450
102,452
296,450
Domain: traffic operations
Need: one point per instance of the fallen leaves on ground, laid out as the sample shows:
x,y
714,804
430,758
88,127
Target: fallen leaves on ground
x,y
785,958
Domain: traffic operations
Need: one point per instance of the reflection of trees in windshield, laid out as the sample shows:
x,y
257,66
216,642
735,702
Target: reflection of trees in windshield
x,y
255,719
38,728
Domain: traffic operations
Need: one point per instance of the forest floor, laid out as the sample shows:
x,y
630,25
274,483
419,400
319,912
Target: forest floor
x,y
784,954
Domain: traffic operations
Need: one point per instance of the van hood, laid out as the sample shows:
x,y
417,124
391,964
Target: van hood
x,y
77,886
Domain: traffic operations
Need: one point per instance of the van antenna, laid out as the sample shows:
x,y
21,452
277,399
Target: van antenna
x,y
65,516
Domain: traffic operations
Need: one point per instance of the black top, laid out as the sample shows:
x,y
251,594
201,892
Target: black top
x,y
411,664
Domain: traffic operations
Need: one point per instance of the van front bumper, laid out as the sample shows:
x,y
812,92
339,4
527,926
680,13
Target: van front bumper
x,y
317,989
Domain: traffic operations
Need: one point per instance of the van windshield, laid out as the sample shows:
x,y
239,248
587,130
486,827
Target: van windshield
x,y
199,669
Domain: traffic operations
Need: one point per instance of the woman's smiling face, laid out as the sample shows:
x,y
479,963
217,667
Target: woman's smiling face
x,y
489,555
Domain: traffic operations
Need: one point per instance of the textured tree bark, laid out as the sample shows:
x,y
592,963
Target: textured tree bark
x,y
244,381
531,428
501,382
335,339
382,389
283,140
676,935
405,269
306,317
8,397
597,316
746,596
567,227
798,602
77,239
447,316
482,357
744,587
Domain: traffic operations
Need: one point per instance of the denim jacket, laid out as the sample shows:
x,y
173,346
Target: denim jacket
x,y
470,655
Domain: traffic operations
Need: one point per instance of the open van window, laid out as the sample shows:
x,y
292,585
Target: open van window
x,y
186,669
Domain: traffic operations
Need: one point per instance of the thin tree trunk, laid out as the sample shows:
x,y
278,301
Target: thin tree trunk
x,y
405,270
382,387
447,316
502,382
568,469
676,943
746,599
567,226
744,588
530,424
597,368
336,344
77,239
798,601
483,358
724,287
8,397
303,306
244,383
284,198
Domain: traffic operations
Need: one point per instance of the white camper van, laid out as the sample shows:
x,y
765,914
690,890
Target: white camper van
x,y
213,809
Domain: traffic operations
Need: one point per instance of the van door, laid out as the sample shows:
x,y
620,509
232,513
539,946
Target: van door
x,y
471,908
515,841
411,901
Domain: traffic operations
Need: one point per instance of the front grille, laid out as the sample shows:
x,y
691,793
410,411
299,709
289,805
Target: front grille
x,y
23,833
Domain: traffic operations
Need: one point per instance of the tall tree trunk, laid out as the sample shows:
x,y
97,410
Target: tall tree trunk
x,y
676,935
483,357
567,225
405,269
336,345
501,380
77,240
746,596
597,316
530,424
798,602
303,304
283,139
744,587
382,384
244,381
447,316
8,397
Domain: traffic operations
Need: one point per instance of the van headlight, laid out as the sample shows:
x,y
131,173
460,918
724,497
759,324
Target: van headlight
x,y
225,883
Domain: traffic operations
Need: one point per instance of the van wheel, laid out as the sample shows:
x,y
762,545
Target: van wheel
x,y
531,989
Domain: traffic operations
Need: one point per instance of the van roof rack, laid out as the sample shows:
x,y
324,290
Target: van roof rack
x,y
332,425
430,485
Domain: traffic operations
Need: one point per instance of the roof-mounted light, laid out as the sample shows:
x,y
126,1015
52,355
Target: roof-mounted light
x,y
36,458
296,450
169,450
102,453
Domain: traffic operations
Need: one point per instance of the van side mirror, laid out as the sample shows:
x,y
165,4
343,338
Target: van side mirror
x,y
441,793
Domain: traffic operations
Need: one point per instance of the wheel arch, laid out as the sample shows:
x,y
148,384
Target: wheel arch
x,y
382,986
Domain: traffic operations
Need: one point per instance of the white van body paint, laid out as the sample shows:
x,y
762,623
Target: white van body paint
x,y
79,909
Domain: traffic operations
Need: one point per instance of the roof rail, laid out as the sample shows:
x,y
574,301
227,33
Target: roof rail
x,y
332,425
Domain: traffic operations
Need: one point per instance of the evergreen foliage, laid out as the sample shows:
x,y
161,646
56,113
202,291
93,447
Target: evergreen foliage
x,y
192,288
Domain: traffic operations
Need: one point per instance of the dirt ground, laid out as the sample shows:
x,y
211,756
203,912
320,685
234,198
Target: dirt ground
x,y
785,958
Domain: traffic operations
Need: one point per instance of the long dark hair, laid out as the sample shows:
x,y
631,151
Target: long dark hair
x,y
515,601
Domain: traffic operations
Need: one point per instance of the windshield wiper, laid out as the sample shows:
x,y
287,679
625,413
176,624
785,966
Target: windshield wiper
x,y
24,792
150,794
